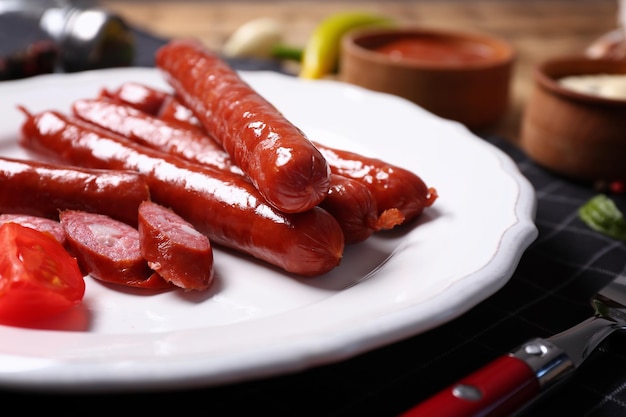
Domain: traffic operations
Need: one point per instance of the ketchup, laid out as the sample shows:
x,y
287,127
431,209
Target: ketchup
x,y
435,50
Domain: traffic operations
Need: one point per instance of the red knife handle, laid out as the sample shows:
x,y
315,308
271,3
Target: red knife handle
x,y
496,390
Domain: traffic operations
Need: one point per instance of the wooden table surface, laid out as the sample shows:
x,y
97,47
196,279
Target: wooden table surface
x,y
538,29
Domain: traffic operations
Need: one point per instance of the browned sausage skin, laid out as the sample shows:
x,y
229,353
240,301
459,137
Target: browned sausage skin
x,y
173,111
352,204
42,189
277,156
228,209
137,95
391,186
188,143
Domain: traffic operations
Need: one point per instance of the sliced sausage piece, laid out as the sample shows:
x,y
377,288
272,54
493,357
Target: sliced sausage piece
x,y
108,250
277,156
42,224
174,248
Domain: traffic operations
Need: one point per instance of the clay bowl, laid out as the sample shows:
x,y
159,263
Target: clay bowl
x,y
459,76
579,135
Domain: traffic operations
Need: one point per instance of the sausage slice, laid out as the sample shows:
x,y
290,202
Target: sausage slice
x,y
41,224
108,249
174,248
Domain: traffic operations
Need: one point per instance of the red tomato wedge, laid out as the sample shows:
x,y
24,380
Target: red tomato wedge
x,y
38,278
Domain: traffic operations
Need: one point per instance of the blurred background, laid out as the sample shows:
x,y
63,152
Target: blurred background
x,y
536,28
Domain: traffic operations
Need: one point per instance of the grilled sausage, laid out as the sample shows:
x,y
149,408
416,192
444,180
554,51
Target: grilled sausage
x,y
392,187
42,189
349,201
228,209
277,156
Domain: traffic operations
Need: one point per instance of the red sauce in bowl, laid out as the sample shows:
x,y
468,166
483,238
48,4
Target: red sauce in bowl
x,y
436,50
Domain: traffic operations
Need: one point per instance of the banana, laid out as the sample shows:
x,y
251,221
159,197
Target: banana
x,y
321,53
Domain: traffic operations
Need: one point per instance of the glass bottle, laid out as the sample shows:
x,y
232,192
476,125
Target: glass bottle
x,y
88,37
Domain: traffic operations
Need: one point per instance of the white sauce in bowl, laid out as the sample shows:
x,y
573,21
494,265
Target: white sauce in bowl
x,y
611,86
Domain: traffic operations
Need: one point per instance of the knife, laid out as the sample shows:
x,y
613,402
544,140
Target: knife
x,y
512,381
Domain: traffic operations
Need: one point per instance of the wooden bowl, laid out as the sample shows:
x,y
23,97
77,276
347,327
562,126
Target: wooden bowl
x,y
460,76
579,135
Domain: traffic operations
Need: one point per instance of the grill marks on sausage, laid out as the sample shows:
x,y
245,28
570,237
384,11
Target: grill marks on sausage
x,y
277,156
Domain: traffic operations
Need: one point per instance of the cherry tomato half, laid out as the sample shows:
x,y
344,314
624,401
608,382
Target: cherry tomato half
x,y
38,278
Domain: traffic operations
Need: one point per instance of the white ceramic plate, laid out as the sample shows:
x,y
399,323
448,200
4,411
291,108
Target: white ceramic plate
x,y
256,321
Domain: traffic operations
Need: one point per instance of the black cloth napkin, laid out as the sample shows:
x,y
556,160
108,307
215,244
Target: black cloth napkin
x,y
549,291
